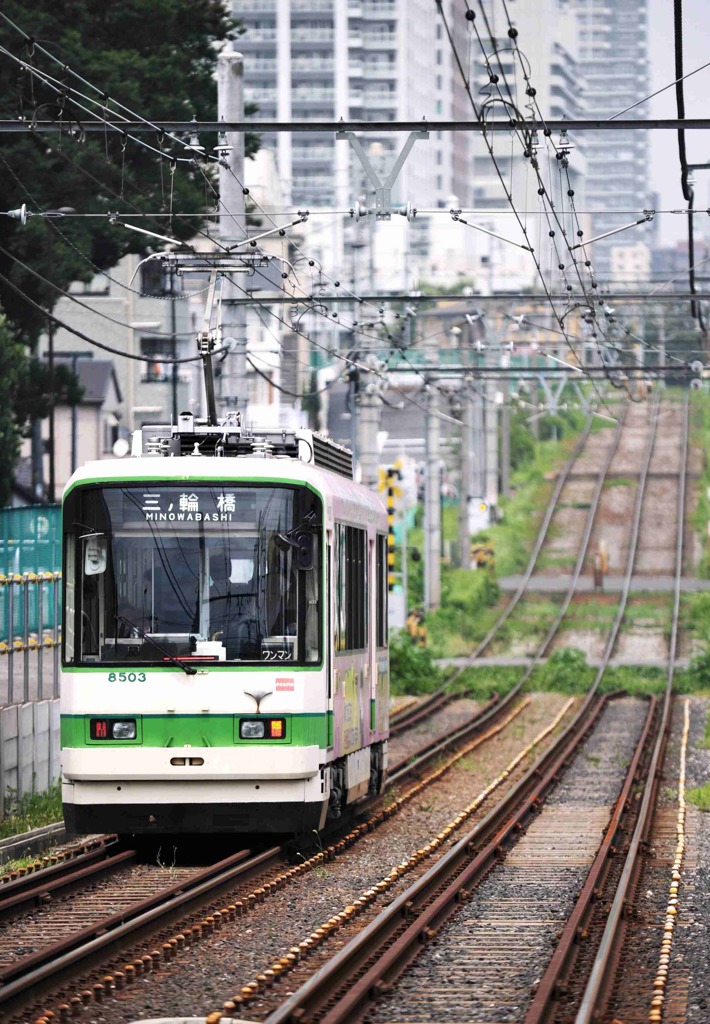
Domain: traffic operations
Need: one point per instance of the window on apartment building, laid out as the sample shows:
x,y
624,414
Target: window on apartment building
x,y
111,432
98,285
153,280
155,350
438,81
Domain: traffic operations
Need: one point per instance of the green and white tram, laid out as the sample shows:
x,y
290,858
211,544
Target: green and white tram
x,y
224,662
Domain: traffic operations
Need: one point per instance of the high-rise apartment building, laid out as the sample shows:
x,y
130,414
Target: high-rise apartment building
x,y
381,60
546,48
613,52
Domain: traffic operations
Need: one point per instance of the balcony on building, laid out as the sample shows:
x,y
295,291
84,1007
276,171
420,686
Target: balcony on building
x,y
380,69
311,6
380,100
305,35
260,68
308,66
374,9
312,155
306,95
380,40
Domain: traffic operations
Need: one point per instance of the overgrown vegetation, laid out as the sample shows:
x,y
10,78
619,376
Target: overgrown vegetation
x,y
31,811
700,438
412,668
700,797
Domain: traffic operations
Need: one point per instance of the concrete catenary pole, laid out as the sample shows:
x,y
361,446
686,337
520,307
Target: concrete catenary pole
x,y
467,495
491,428
432,492
368,417
232,384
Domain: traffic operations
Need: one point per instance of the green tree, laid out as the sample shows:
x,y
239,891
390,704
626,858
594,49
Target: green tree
x,y
156,56
12,371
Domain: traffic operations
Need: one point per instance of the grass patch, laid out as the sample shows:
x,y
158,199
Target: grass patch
x,y
700,438
619,481
700,797
412,668
31,811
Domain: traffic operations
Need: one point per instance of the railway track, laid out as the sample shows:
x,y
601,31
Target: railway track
x,y
164,954
56,961
369,963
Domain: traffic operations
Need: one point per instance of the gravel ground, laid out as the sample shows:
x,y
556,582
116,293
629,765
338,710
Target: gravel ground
x,y
483,965
203,977
692,938
441,724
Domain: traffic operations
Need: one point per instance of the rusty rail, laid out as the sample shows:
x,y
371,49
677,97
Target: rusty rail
x,y
28,975
341,991
598,989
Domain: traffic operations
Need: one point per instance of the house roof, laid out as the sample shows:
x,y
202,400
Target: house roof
x,y
95,377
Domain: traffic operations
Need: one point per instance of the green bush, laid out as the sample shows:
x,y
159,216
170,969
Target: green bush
x,y
565,671
412,668
31,811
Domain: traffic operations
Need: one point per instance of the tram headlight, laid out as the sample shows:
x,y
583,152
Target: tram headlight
x,y
124,730
262,729
252,730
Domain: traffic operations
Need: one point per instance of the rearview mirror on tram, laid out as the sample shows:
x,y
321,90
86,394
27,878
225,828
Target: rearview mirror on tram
x,y
95,554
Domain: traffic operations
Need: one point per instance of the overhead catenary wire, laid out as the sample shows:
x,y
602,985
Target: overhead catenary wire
x,y
512,32
93,341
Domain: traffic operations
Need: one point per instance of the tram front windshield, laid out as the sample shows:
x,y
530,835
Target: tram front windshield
x,y
205,573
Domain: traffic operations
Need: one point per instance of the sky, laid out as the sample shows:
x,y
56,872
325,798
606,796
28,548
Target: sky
x,y
665,165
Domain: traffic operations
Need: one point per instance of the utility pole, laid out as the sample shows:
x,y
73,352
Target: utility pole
x,y
505,431
368,404
432,492
232,385
467,495
173,349
490,414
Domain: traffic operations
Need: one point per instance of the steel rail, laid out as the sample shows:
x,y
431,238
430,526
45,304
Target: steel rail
x,y
600,980
429,706
412,764
579,564
540,540
24,878
553,982
22,976
410,716
584,543
44,886
443,696
376,957
342,989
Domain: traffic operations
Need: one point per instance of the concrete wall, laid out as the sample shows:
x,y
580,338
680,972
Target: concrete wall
x,y
29,749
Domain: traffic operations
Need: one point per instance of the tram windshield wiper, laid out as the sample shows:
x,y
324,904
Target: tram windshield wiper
x,y
187,669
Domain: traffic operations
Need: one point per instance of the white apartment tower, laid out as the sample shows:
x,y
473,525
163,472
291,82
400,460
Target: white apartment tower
x,y
613,51
380,60
548,46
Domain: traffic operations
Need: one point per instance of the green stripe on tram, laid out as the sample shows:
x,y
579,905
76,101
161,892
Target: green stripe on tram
x,y
303,730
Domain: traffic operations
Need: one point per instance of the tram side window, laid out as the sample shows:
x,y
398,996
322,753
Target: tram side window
x,y
382,576
351,588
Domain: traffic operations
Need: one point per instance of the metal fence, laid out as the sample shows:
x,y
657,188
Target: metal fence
x,y
29,648
30,606
30,538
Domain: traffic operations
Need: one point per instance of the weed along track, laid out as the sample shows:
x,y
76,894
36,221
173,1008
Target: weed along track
x,y
289,894
487,885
